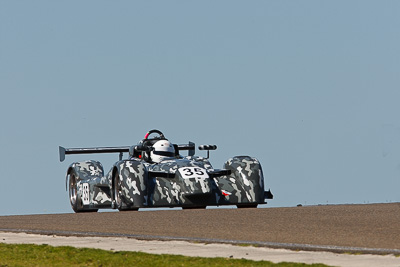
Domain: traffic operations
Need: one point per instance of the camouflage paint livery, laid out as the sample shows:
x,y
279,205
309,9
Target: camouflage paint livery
x,y
91,173
134,183
179,182
246,181
179,191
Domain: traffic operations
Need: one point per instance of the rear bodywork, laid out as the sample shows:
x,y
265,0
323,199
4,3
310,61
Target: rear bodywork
x,y
188,182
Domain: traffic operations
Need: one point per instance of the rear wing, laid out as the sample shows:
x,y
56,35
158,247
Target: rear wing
x,y
98,150
93,150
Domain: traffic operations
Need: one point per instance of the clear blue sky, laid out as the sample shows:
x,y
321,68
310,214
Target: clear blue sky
x,y
310,88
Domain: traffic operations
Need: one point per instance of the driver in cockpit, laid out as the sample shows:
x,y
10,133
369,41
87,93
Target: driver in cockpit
x,y
162,150
155,149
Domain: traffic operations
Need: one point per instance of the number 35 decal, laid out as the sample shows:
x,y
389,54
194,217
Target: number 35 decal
x,y
193,172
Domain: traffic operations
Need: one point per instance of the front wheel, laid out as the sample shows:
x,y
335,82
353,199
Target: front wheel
x,y
118,197
117,191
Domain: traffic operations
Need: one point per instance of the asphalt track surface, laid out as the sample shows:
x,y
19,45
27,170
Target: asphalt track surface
x,y
374,228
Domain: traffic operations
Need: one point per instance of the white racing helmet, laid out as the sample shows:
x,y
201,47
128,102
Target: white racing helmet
x,y
162,150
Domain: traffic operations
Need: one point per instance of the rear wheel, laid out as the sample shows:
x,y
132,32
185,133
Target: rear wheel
x,y
74,198
75,201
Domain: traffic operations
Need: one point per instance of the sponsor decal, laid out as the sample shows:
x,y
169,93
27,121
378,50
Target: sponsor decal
x,y
226,193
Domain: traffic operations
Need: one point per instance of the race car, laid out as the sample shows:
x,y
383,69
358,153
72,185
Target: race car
x,y
155,174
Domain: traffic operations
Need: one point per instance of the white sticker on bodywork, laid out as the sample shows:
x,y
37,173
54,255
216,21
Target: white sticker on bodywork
x,y
85,194
193,172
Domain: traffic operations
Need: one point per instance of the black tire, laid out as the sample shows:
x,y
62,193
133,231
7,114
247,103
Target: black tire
x,y
74,197
117,191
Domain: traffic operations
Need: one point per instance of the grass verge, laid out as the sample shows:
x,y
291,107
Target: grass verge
x,y
44,255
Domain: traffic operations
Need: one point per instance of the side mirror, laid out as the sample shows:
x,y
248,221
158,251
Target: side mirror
x,y
141,148
208,148
136,150
131,151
